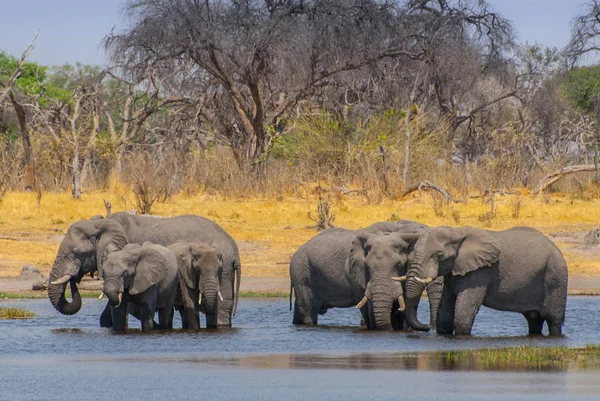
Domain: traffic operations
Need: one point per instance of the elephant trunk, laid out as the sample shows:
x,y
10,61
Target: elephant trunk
x,y
414,290
60,273
112,290
382,298
210,291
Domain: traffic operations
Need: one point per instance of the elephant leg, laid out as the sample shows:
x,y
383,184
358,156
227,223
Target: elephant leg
x,y
165,318
106,317
365,321
147,312
535,322
306,308
211,321
397,319
445,311
468,302
119,316
554,327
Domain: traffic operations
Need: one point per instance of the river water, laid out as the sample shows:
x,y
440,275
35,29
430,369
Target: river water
x,y
264,357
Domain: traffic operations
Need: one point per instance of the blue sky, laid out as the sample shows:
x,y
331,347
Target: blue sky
x,y
71,30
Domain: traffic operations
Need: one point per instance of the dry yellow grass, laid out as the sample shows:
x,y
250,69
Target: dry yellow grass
x,y
269,230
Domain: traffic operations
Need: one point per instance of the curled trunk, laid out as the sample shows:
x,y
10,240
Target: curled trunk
x,y
56,292
414,290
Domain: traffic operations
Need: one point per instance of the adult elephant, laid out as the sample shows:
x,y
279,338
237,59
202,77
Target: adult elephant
x,y
81,253
323,276
517,270
141,280
198,267
85,245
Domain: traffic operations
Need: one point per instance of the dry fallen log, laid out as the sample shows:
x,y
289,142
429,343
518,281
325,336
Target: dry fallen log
x,y
556,176
425,185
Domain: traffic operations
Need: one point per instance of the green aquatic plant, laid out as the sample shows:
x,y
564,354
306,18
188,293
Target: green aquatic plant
x,y
12,313
524,358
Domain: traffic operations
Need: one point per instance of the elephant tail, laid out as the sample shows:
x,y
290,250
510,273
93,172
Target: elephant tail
x,y
291,291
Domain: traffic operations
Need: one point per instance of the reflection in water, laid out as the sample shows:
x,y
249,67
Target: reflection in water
x,y
426,361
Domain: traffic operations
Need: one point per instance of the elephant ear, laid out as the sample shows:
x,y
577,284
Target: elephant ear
x,y
183,254
151,268
477,248
103,233
355,264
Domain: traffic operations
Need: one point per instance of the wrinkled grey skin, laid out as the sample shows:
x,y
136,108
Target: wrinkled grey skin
x,y
81,252
517,270
146,278
323,277
198,266
193,229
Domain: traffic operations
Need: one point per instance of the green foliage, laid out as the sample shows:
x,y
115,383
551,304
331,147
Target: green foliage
x,y
581,87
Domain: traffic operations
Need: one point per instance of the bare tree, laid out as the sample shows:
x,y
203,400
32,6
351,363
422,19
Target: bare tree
x,y
249,63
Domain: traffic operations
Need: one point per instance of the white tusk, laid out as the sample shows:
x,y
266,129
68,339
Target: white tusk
x,y
220,296
101,295
362,302
62,280
120,299
199,298
402,304
424,280
401,278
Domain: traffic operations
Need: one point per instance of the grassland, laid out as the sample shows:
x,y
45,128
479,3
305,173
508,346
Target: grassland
x,y
270,230
15,313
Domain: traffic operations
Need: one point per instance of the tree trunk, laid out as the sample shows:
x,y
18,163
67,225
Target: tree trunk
x,y
405,171
76,192
28,158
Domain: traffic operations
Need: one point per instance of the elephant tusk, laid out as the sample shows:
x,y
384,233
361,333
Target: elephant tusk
x,y
402,304
120,299
362,302
220,296
424,280
101,295
61,280
199,298
401,278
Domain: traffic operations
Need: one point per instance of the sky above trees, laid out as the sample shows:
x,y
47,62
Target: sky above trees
x,y
71,30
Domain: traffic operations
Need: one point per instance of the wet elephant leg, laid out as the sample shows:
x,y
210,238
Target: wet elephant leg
x,y
468,302
364,321
535,322
304,305
445,312
119,316
106,317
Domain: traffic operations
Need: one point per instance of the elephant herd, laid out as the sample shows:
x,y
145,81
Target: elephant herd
x,y
151,265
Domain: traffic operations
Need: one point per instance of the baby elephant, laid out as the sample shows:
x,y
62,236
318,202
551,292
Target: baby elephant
x,y
199,267
140,280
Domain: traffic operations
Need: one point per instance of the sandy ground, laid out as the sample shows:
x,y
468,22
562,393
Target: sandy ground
x,y
258,275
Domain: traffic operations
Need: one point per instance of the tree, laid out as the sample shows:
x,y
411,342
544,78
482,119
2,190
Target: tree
x,y
247,64
25,76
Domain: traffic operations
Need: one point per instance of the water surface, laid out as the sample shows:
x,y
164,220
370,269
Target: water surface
x,y
58,357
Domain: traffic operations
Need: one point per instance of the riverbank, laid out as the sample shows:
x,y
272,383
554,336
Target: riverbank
x,y
269,231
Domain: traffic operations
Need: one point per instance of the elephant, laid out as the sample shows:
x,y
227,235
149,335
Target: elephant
x,y
81,253
198,267
140,280
325,274
84,247
518,270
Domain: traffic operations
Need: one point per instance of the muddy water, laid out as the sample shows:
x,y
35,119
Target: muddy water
x,y
55,357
